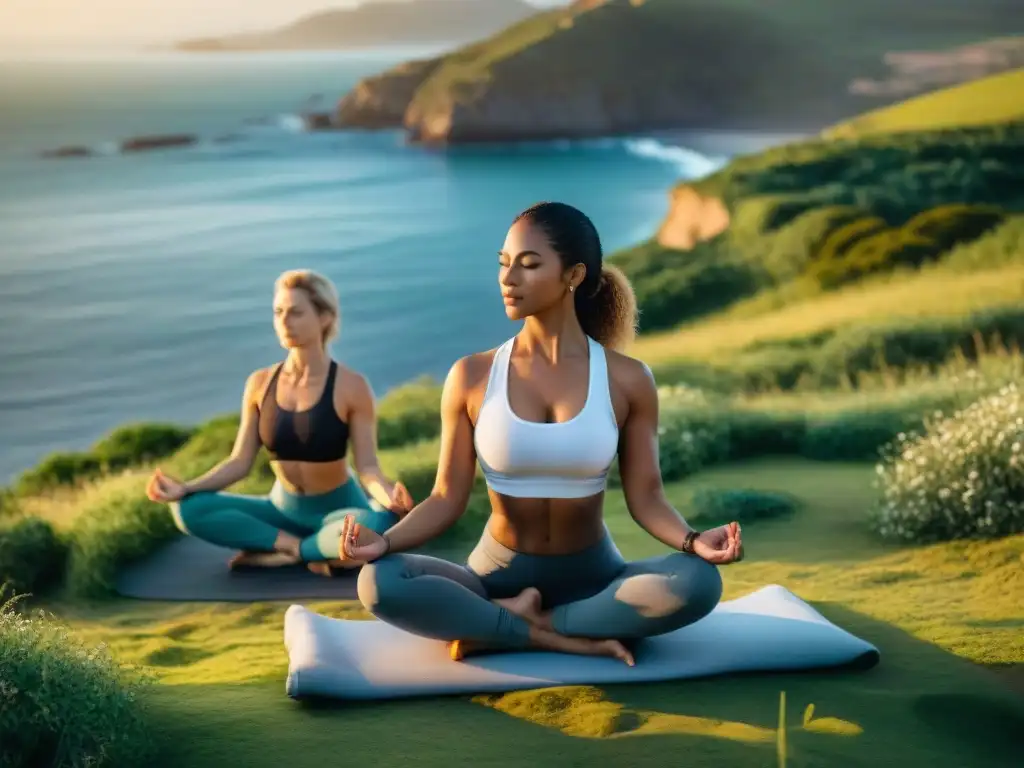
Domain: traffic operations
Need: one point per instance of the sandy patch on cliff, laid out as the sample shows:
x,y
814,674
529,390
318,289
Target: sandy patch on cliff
x,y
692,219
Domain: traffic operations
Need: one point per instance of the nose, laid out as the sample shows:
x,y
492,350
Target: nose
x,y
506,277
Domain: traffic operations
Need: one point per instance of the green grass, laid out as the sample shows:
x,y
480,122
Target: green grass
x,y
932,611
813,217
994,99
838,332
776,362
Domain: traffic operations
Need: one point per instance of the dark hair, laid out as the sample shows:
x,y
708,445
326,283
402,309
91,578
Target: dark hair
x,y
605,303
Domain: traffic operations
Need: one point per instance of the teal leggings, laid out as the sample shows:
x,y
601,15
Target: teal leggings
x,y
252,523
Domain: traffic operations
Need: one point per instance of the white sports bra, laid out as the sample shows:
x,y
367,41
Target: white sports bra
x,y
539,460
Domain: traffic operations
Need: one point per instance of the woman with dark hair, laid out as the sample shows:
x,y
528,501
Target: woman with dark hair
x,y
546,413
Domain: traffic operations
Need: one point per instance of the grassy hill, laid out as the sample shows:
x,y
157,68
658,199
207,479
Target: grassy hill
x,y
815,216
995,99
620,66
862,286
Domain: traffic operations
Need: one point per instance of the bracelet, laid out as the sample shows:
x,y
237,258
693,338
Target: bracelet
x,y
688,542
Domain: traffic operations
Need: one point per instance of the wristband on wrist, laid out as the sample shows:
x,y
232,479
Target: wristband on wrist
x,y
688,542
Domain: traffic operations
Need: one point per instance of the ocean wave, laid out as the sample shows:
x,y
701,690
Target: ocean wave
x,y
692,164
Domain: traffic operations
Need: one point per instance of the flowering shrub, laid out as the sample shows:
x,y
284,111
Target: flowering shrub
x,y
63,705
963,477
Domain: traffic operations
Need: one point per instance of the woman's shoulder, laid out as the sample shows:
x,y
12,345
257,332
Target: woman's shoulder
x,y
632,375
350,380
470,370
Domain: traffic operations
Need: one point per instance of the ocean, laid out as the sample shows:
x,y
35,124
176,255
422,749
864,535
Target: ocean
x,y
137,287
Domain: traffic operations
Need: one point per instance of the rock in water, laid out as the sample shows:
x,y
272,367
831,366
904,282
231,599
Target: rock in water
x,y
146,143
75,151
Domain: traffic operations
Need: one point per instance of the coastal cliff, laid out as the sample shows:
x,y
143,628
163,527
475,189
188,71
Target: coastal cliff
x,y
381,101
612,67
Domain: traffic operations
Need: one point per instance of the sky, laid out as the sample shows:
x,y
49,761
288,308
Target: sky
x,y
31,23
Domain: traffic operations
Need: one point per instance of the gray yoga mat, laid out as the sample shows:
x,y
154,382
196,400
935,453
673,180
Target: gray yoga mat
x,y
770,630
188,569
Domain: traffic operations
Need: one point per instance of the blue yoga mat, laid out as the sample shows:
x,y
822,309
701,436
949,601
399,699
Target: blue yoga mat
x,y
768,630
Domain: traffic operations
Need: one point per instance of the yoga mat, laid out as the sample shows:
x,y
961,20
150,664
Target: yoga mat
x,y
768,630
189,569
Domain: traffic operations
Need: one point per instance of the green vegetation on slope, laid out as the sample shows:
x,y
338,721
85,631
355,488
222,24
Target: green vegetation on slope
x,y
596,68
64,704
788,365
222,700
814,216
994,99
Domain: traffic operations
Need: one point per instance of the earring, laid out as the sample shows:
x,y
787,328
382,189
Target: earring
x,y
570,289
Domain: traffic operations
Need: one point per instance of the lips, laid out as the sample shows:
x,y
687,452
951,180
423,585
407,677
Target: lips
x,y
510,300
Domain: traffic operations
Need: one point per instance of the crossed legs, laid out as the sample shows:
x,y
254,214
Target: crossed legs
x,y
438,599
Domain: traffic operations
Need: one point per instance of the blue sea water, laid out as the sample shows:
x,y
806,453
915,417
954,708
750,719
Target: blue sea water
x,y
138,287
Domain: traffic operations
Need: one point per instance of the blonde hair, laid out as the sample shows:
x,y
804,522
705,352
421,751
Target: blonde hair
x,y
322,294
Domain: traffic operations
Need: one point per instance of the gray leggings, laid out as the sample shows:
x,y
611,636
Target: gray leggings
x,y
593,593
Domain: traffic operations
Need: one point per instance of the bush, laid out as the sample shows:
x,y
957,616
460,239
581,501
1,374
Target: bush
x,y
409,414
714,507
8,504
855,435
868,245
672,286
416,467
816,214
126,446
690,439
963,477
62,704
118,531
1001,245
32,555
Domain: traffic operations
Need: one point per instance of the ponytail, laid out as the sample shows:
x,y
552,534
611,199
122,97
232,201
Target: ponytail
x,y
608,314
604,301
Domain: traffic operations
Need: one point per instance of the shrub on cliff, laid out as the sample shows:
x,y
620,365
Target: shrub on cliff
x,y
126,446
961,477
867,245
674,286
409,413
1003,244
64,704
833,212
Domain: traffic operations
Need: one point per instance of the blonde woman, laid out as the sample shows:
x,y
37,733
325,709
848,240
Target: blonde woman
x,y
305,411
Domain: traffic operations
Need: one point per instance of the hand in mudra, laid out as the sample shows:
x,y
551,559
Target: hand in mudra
x,y
401,500
721,546
359,543
164,488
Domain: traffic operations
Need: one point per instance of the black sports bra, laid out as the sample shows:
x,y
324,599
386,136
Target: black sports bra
x,y
316,434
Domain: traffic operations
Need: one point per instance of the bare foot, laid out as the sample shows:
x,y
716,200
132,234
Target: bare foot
x,y
545,640
262,560
526,604
460,649
611,648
